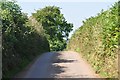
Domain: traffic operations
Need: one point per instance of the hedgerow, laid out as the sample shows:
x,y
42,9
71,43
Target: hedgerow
x,y
97,41
21,40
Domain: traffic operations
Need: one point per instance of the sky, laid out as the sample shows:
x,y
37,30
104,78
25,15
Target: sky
x,y
75,11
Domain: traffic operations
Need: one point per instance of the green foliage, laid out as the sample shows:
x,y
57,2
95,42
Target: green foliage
x,y
55,25
21,40
97,40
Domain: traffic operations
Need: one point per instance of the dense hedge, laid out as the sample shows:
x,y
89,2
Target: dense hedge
x,y
97,41
21,40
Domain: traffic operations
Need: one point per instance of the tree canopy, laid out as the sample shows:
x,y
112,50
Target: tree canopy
x,y
55,25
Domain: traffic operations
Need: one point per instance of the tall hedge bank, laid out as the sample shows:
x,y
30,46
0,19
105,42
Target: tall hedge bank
x,y
21,40
97,41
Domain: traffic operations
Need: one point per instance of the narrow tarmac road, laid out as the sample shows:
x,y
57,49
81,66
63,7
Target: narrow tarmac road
x,y
64,64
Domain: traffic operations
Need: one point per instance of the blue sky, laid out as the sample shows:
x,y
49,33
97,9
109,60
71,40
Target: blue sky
x,y
74,11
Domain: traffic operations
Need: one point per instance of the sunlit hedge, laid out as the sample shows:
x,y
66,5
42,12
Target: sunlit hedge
x,y
97,41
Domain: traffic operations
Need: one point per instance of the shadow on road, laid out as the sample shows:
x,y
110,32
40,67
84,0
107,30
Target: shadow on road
x,y
57,59
64,61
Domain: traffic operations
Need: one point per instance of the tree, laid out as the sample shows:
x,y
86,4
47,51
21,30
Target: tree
x,y
21,40
55,26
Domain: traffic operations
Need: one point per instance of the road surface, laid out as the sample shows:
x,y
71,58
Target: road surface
x,y
64,64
